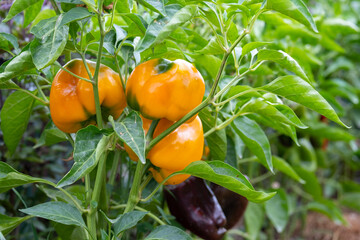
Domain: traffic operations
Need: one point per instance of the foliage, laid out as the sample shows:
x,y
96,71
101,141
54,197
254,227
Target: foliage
x,y
281,93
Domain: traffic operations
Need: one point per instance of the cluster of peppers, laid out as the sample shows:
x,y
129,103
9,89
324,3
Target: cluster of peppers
x,y
158,89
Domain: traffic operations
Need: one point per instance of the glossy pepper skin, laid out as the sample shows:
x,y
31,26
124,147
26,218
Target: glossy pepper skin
x,y
232,204
196,208
176,151
72,104
160,88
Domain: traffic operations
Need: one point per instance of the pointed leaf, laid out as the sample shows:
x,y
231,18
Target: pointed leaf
x,y
166,232
217,140
10,178
281,165
75,14
50,41
15,116
58,212
255,139
284,59
17,66
251,46
154,5
7,224
89,143
277,210
298,90
17,7
130,131
161,28
295,9
225,175
254,219
263,108
127,221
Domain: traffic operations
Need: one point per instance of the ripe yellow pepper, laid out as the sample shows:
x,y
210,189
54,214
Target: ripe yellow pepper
x,y
174,152
160,88
72,104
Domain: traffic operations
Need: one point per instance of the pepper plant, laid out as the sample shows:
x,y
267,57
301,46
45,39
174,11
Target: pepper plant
x,y
260,90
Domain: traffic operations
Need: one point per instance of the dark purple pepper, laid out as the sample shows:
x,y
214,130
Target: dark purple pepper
x,y
233,204
196,208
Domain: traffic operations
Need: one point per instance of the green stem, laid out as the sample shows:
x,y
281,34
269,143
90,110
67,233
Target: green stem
x,y
41,91
97,69
55,6
77,76
112,16
234,97
71,140
38,76
177,124
119,206
81,209
95,196
33,95
134,196
224,124
114,168
90,221
261,178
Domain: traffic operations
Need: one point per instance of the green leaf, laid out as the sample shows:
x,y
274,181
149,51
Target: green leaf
x,y
8,85
216,140
251,46
213,48
15,116
167,232
89,146
312,185
75,14
284,59
254,219
225,175
50,41
7,224
281,165
277,210
298,90
263,108
339,87
280,127
350,200
31,12
255,139
58,212
161,28
130,131
17,66
332,133
136,23
209,62
6,40
44,14
154,5
128,220
295,9
10,178
17,7
328,208
51,135
334,26
58,195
